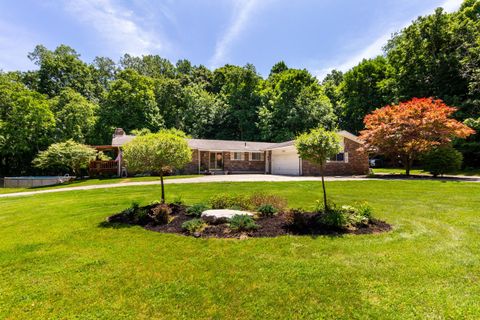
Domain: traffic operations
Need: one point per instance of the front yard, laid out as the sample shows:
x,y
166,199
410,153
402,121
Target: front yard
x,y
57,261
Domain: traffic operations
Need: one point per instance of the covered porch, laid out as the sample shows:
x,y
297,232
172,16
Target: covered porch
x,y
99,167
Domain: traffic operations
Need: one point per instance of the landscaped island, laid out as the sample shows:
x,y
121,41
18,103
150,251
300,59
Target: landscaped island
x,y
243,216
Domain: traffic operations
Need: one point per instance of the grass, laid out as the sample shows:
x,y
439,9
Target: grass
x,y
464,172
57,261
94,181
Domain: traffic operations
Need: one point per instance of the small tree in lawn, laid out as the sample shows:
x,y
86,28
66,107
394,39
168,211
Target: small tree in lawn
x,y
411,128
157,152
317,147
66,155
441,160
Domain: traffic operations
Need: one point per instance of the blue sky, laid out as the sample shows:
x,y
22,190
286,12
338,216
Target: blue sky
x,y
315,34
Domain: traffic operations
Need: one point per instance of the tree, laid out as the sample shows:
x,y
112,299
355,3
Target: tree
x,y
157,152
150,65
130,104
441,160
26,125
278,68
317,147
236,87
63,68
364,88
75,116
411,128
293,102
65,155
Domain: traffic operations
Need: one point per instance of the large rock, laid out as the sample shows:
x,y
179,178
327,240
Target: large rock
x,y
216,216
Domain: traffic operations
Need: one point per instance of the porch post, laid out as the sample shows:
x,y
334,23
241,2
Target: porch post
x,y
199,154
119,164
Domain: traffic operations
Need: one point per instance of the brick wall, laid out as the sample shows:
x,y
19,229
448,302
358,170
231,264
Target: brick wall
x,y
357,163
242,165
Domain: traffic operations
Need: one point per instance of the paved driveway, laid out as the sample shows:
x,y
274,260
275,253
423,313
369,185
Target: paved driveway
x,y
232,178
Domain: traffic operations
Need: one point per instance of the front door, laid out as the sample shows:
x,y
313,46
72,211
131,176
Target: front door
x,y
216,161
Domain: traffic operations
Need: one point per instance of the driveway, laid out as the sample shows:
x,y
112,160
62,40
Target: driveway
x,y
231,178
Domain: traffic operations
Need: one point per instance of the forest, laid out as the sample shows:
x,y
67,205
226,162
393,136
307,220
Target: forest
x,y
64,98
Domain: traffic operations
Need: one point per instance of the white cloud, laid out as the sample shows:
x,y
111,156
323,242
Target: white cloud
x,y
118,26
375,48
245,9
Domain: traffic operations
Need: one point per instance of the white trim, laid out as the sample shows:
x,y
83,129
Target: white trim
x,y
232,157
262,156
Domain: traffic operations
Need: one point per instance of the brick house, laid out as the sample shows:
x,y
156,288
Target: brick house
x,y
235,157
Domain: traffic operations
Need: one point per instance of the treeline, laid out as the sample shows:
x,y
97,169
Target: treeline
x,y
67,98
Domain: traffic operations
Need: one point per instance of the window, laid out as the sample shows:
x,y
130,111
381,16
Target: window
x,y
339,157
238,156
256,156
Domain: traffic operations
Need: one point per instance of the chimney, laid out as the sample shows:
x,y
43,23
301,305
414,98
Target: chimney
x,y
118,132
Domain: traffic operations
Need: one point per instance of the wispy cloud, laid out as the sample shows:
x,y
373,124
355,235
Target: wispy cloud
x,y
375,47
118,26
244,11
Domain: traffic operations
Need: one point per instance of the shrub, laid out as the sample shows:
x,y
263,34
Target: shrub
x,y
297,219
335,217
442,160
267,210
178,201
130,212
227,201
365,210
260,199
194,225
161,214
196,210
242,222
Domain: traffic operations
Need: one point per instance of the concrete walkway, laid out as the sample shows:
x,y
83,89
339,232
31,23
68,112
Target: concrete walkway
x,y
234,178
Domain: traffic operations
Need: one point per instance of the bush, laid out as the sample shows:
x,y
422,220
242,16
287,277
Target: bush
x,y
178,201
297,219
161,214
196,210
194,225
346,216
259,199
227,201
242,222
267,210
442,160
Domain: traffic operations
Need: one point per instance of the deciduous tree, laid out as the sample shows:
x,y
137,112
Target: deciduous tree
x,y
318,146
157,152
411,128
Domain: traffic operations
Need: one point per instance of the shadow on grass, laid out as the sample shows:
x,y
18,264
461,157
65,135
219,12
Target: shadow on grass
x,y
114,225
423,177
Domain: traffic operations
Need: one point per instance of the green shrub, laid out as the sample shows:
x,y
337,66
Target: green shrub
x,y
161,214
259,199
267,210
365,210
228,201
178,201
194,225
130,212
242,222
335,217
297,219
196,210
442,160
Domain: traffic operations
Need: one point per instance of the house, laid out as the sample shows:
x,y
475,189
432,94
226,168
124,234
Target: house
x,y
233,157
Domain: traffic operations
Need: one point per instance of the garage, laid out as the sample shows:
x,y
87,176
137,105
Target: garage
x,y
285,161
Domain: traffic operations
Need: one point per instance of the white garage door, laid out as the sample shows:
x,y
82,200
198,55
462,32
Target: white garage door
x,y
285,161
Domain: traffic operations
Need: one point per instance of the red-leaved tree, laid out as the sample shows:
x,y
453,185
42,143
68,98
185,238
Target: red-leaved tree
x,y
411,128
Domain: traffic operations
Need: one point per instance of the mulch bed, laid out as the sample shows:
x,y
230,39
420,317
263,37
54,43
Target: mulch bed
x,y
268,226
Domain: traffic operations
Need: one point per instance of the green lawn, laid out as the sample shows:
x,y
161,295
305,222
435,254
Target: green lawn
x,y
466,172
57,262
94,181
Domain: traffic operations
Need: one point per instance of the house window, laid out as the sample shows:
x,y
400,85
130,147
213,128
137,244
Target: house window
x,y
256,156
240,156
339,157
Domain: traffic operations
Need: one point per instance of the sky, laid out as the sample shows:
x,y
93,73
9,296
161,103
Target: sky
x,y
318,35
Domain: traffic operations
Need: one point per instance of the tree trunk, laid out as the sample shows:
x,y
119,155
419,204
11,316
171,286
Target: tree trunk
x,y
163,188
323,187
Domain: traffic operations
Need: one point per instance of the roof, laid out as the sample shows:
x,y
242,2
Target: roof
x,y
230,145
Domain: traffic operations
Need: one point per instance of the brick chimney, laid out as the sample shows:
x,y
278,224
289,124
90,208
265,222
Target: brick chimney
x,y
118,132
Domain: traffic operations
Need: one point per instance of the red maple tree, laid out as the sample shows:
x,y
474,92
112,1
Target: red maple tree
x,y
411,128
